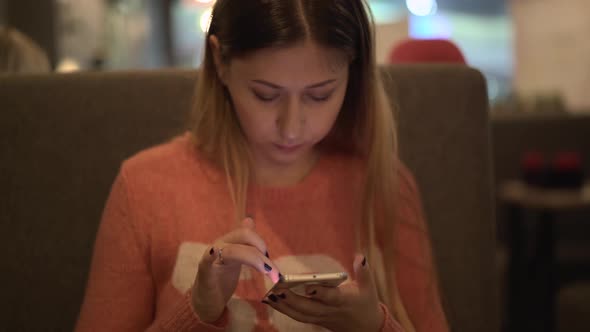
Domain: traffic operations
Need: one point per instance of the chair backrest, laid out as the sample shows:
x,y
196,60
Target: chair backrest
x,y
62,139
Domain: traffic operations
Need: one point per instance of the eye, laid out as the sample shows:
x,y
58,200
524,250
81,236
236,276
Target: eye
x,y
320,98
264,97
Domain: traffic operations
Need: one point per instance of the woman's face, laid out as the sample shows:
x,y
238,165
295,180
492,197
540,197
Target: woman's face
x,y
287,99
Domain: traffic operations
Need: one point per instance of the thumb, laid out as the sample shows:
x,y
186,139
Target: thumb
x,y
248,222
362,272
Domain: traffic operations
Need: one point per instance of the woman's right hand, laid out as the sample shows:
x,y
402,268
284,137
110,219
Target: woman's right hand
x,y
217,279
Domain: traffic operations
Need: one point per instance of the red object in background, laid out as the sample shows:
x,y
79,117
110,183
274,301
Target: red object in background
x,y
564,171
426,50
534,169
567,171
533,161
567,161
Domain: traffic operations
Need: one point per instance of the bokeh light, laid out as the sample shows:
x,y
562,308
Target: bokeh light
x,y
422,7
206,19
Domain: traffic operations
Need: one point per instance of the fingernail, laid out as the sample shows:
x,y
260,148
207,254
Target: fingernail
x,y
280,276
250,217
266,254
364,261
265,302
283,296
273,297
211,251
267,267
313,292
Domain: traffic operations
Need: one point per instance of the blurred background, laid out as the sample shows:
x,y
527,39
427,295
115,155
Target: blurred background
x,y
534,54
514,43
495,36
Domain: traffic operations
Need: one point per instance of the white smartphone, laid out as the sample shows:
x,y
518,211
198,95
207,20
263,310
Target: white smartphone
x,y
297,282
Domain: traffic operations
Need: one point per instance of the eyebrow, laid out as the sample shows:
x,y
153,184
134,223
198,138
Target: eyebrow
x,y
315,85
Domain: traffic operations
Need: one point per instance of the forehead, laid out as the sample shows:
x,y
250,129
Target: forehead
x,y
299,64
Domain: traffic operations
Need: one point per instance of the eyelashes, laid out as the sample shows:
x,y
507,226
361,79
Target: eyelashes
x,y
270,98
265,98
320,99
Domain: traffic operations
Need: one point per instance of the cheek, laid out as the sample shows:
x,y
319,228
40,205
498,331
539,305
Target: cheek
x,y
254,123
322,121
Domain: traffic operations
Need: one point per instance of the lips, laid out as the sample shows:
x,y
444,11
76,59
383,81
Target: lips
x,y
288,148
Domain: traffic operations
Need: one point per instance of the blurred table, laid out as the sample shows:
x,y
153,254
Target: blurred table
x,y
532,284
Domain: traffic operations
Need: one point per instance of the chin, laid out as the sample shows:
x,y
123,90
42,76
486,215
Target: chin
x,y
288,157
285,159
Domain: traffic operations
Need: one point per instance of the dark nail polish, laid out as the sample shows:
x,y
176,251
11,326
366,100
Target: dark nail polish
x,y
313,292
265,302
364,261
283,296
211,251
280,276
266,254
267,267
273,297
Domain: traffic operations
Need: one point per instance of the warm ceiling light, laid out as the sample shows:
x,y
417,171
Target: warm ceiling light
x,y
205,20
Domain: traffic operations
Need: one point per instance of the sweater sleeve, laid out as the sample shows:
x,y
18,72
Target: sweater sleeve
x,y
120,293
415,270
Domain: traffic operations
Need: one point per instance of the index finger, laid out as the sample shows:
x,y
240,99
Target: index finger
x,y
248,222
246,235
333,296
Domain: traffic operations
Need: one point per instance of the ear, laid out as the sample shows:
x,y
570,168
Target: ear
x,y
216,51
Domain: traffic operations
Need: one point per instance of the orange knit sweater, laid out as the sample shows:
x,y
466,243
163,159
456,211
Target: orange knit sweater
x,y
168,204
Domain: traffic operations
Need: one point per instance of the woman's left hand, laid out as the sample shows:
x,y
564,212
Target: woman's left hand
x,y
350,307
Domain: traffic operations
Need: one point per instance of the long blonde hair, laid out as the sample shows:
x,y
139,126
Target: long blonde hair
x,y
365,125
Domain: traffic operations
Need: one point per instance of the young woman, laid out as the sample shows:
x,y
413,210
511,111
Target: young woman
x,y
289,166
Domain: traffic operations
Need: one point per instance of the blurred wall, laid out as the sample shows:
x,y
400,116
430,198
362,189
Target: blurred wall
x,y
128,34
80,30
34,18
387,35
160,37
553,49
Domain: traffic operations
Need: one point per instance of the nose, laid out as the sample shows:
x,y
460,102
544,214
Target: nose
x,y
290,121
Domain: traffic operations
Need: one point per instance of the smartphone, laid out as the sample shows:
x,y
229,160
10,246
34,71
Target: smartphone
x,y
297,282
